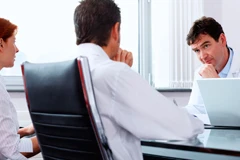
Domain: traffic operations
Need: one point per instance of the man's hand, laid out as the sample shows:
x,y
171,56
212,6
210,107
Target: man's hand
x,y
124,56
208,71
26,131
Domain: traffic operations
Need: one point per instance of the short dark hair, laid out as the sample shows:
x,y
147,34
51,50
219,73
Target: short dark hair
x,y
94,19
204,25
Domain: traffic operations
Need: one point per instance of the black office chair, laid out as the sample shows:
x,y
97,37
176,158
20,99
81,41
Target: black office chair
x,y
64,113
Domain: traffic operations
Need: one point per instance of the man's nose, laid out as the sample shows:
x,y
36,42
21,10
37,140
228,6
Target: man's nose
x,y
203,54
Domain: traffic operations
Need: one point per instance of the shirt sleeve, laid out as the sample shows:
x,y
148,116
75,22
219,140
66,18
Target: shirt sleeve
x,y
146,113
11,144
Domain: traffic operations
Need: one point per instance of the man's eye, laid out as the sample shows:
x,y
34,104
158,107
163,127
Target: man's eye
x,y
196,51
206,46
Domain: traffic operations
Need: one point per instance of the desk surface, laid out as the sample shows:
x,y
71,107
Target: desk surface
x,y
213,141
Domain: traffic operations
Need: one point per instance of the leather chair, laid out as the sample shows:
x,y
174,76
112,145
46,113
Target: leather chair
x,y
63,110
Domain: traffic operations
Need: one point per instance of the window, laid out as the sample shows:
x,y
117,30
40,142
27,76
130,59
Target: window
x,y
160,42
165,59
46,32
153,30
172,59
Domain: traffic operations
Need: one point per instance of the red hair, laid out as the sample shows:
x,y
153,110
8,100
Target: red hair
x,y
7,29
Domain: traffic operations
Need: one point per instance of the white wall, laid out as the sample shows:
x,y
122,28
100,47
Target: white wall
x,y
231,22
226,12
212,8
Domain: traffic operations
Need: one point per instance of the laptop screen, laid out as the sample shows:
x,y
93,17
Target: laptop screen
x,y
221,98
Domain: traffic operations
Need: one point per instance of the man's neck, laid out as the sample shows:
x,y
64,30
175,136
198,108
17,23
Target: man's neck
x,y
108,51
225,59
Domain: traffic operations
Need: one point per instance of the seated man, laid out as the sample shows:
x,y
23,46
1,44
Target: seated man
x,y
129,107
208,41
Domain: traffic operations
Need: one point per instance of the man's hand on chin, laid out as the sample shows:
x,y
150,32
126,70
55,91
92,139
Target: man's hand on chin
x,y
124,56
208,71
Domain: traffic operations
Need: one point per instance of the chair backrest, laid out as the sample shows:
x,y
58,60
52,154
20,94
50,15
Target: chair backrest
x,y
59,114
89,96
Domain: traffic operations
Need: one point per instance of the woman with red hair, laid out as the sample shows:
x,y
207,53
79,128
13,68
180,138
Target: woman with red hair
x,y
11,145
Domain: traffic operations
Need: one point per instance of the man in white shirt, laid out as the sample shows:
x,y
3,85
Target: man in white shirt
x,y
129,107
207,39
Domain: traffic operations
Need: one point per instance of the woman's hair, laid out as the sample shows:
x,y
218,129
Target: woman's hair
x,y
7,29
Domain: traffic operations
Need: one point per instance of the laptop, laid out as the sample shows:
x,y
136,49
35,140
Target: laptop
x,y
221,97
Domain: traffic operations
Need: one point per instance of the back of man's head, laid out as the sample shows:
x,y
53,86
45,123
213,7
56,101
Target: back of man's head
x,y
94,19
204,25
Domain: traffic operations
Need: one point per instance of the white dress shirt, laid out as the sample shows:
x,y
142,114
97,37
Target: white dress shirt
x,y
131,109
10,143
232,66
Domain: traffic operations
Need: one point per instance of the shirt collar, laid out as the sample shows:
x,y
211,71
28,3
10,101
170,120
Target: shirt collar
x,y
227,67
87,49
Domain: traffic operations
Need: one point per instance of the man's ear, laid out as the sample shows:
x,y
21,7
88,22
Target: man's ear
x,y
115,31
222,39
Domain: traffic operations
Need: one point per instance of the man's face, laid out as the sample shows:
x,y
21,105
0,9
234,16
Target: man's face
x,y
208,50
